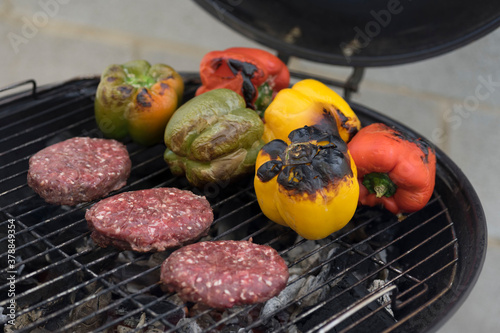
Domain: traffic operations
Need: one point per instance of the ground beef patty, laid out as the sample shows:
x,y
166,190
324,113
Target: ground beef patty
x,y
79,170
149,220
222,274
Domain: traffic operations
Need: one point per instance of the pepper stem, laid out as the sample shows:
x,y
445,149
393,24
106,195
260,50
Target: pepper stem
x,y
140,82
264,98
380,184
300,153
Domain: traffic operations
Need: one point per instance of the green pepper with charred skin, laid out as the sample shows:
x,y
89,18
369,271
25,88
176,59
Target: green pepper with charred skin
x,y
137,99
213,138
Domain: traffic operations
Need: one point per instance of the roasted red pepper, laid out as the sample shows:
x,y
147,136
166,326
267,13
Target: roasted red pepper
x,y
394,169
255,74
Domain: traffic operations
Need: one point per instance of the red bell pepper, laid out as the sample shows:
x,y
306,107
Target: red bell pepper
x,y
394,169
255,74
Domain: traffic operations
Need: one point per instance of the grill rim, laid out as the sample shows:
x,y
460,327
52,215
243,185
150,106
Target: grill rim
x,y
465,188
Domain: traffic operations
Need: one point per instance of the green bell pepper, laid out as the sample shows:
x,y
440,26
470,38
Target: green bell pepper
x,y
213,138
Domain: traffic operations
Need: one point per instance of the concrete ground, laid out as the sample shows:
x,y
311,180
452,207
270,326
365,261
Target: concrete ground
x,y
55,40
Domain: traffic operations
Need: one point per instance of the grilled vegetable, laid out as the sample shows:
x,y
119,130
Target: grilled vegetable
x,y
213,138
137,99
394,169
253,73
308,102
307,183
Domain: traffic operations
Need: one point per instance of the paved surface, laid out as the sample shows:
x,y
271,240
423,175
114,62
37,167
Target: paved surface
x,y
56,40
480,312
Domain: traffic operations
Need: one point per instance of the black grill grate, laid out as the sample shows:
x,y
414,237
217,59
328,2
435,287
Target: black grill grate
x,y
63,282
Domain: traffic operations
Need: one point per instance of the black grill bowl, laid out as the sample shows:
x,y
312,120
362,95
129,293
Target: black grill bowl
x,y
430,261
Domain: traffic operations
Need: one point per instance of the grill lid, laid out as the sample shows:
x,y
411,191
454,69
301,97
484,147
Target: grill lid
x,y
359,33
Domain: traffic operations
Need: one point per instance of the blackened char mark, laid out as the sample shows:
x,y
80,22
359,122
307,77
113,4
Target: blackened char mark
x,y
269,170
422,144
327,168
164,86
125,90
247,71
274,148
328,123
352,130
305,167
144,98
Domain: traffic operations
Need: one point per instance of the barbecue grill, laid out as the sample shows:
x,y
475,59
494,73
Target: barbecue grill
x,y
377,274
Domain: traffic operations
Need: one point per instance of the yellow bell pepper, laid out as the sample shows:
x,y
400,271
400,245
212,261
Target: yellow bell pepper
x,y
308,183
309,102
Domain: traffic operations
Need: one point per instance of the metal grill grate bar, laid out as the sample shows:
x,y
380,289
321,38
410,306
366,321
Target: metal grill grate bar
x,y
55,218
21,146
126,187
30,243
353,309
28,121
332,322
365,257
115,288
382,307
42,254
66,292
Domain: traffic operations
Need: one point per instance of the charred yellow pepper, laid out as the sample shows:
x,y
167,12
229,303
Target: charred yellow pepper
x,y
308,102
308,183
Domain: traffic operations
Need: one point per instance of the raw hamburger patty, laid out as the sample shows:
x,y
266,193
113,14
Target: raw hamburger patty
x,y
79,170
222,274
149,220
